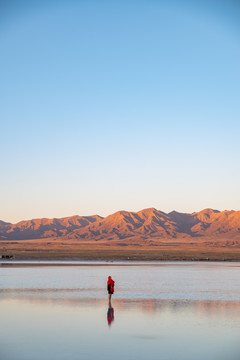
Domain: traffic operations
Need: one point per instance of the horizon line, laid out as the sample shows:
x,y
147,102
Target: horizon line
x,y
118,211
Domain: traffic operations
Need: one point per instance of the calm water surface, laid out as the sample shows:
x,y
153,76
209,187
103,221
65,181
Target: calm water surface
x,y
159,311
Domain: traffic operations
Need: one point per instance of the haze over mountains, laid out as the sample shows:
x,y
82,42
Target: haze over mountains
x,y
142,225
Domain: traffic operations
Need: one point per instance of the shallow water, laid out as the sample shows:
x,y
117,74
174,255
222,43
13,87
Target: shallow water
x,y
159,311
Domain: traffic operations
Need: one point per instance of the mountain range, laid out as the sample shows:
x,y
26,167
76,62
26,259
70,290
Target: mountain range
x,y
144,224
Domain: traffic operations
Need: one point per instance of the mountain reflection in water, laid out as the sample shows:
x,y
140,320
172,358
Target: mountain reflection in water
x,y
140,305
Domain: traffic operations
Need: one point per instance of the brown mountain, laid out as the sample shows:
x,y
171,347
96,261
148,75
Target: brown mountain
x,y
124,224
44,228
144,225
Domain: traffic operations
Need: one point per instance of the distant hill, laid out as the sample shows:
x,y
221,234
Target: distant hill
x,y
144,224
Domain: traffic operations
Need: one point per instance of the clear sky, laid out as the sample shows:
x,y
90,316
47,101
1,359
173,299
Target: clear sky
x,y
112,105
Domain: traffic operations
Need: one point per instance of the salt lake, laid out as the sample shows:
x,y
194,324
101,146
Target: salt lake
x,y
160,310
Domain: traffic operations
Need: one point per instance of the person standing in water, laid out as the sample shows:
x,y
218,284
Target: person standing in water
x,y
110,288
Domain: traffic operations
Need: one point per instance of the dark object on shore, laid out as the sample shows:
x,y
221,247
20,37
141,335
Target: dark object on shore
x,y
7,257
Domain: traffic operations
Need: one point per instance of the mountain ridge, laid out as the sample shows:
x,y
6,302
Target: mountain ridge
x,y
145,224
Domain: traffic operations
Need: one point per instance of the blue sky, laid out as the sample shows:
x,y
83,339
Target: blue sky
x,y
111,105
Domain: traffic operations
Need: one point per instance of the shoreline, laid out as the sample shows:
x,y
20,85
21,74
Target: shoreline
x,y
82,263
119,255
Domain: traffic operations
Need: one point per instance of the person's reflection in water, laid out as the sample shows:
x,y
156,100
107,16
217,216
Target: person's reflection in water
x,y
110,314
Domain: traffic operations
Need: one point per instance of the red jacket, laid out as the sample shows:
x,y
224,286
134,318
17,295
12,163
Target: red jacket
x,y
110,285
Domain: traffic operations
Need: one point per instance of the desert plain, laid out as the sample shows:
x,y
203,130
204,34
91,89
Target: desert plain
x,y
149,234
